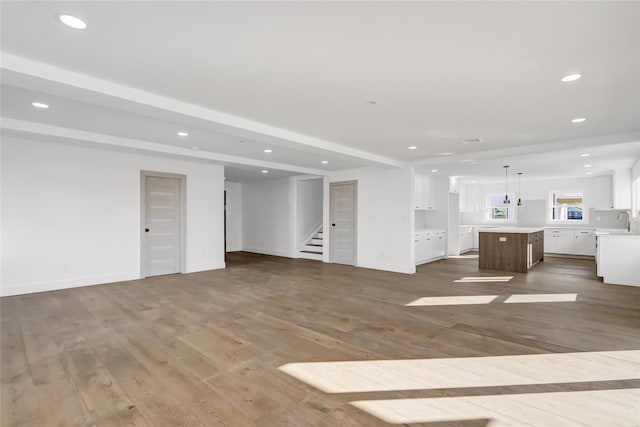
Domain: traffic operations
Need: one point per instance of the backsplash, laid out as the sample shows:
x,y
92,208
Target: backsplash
x,y
533,213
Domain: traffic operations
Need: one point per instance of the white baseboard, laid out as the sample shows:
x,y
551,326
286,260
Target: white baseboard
x,y
54,285
205,267
406,269
264,251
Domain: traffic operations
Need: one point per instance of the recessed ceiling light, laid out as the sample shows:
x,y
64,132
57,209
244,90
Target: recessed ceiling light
x,y
588,173
372,102
475,140
570,78
40,105
324,162
578,120
434,170
412,147
587,166
241,140
473,181
73,22
446,154
268,151
585,155
265,171
182,133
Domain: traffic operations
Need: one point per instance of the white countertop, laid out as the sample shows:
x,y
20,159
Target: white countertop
x,y
422,230
523,230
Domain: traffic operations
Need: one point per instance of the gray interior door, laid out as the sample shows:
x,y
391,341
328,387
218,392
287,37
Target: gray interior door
x,y
162,226
342,236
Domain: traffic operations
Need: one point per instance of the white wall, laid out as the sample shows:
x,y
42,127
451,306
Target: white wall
x,y
622,188
385,217
597,194
266,216
234,216
71,214
309,213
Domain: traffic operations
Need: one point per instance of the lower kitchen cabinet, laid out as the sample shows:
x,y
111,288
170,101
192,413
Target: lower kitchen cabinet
x,y
570,241
585,242
430,245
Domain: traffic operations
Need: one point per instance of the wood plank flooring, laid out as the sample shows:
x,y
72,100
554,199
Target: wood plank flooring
x,y
205,349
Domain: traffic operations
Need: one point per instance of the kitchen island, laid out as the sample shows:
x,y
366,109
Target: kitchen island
x,y
515,249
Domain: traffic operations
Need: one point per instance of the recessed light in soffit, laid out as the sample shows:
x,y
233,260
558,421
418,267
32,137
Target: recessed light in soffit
x,y
72,21
475,140
571,78
40,105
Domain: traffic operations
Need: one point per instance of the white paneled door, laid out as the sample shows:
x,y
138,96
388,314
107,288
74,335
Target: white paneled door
x,y
162,227
342,237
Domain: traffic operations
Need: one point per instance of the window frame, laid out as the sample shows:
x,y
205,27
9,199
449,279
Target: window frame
x,y
550,206
511,209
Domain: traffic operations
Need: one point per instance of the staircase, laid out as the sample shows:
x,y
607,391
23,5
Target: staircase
x,y
313,247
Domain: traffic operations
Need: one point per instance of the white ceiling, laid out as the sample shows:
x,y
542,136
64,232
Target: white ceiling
x,y
297,78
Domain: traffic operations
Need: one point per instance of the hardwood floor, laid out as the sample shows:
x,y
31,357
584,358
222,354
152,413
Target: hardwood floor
x,y
206,348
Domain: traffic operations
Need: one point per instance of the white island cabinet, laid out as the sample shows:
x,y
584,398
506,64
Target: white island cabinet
x,y
618,258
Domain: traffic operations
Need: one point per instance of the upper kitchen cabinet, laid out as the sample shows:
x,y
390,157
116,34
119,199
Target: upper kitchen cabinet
x,y
425,192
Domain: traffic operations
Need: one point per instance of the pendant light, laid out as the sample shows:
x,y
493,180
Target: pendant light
x,y
506,200
519,188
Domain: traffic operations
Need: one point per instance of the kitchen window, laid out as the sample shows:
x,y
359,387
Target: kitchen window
x,y
566,206
498,211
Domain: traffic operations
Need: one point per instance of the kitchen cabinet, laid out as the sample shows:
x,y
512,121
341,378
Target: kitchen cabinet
x,y
425,192
510,249
440,238
618,258
466,239
570,241
585,242
559,241
430,245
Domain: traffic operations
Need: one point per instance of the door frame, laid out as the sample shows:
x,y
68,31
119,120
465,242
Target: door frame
x,y
355,219
182,179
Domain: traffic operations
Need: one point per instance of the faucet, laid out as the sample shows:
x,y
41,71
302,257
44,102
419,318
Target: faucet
x,y
628,219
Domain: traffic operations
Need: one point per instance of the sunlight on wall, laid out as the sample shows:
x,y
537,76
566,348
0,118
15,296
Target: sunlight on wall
x,y
493,371
586,408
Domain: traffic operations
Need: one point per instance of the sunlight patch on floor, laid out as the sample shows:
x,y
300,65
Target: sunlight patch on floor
x,y
487,299
514,299
579,408
453,300
484,279
470,256
493,371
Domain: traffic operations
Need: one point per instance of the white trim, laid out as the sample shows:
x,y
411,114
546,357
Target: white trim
x,y
205,267
264,251
58,284
394,268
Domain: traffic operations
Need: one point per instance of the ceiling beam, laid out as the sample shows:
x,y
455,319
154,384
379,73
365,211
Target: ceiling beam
x,y
31,69
22,127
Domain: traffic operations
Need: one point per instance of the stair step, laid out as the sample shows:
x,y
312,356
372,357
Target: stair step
x,y
315,244
313,256
312,252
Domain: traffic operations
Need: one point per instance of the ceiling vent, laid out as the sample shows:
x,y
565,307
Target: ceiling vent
x,y
472,141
